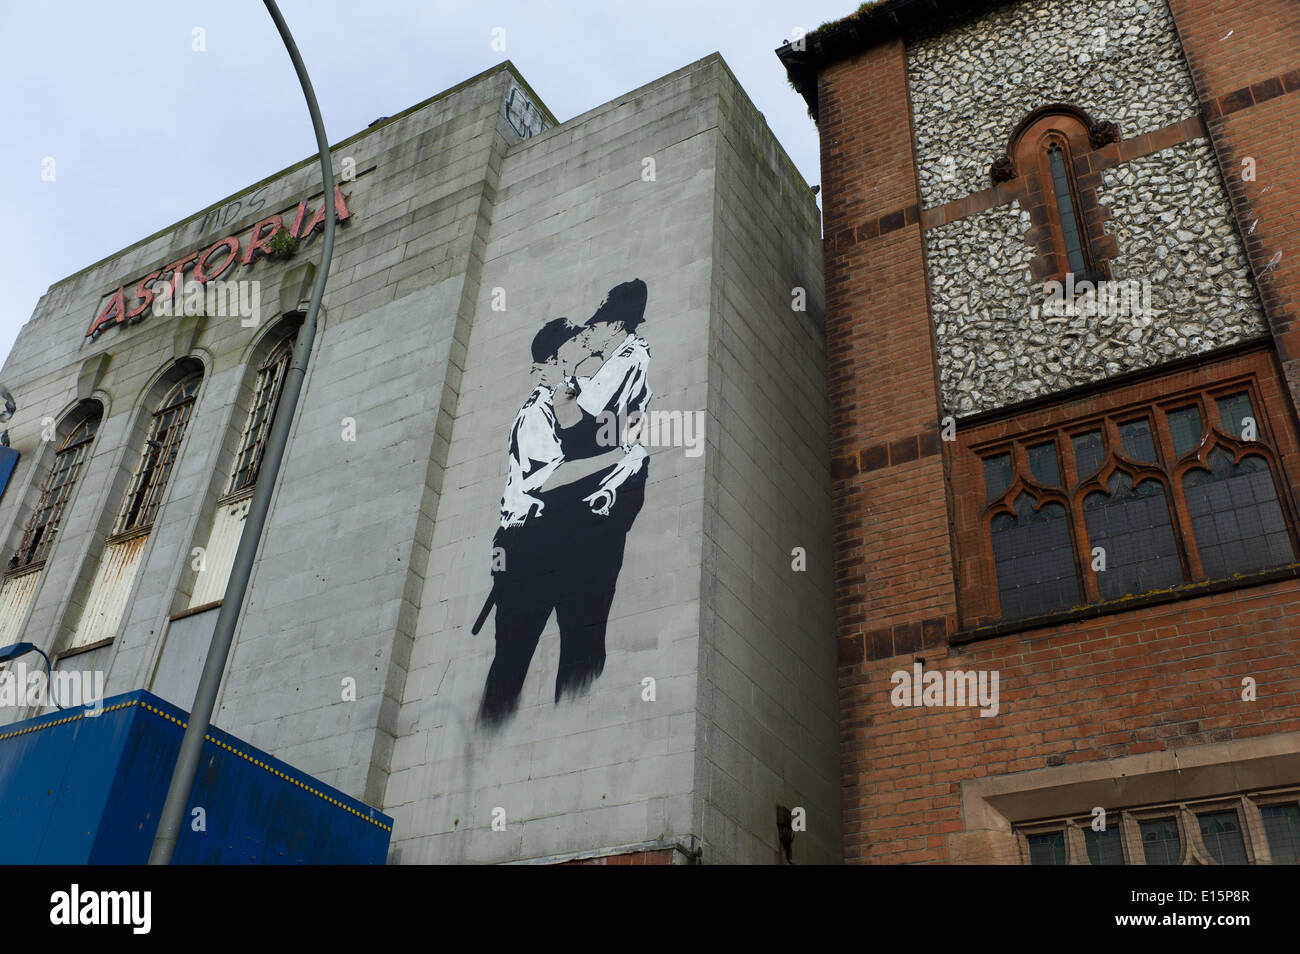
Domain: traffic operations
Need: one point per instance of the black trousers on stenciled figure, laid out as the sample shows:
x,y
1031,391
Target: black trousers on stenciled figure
x,y
566,561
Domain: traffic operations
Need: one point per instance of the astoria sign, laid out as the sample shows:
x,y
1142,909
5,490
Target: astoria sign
x,y
208,265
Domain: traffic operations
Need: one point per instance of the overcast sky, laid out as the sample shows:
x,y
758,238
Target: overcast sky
x,y
144,130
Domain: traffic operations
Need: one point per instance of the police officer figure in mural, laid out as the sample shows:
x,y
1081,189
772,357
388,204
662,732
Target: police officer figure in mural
x,y
574,485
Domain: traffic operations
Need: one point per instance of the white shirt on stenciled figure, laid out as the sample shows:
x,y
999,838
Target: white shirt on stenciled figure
x,y
535,454
620,386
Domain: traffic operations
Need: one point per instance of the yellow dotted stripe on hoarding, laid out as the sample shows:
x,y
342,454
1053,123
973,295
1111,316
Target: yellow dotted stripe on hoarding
x,y
243,755
64,720
274,771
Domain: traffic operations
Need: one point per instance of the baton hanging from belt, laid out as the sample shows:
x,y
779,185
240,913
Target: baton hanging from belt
x,y
487,608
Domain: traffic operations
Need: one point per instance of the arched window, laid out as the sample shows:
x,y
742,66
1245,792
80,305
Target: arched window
x,y
1130,523
1232,497
24,569
266,400
56,493
166,432
1067,206
1050,580
1064,209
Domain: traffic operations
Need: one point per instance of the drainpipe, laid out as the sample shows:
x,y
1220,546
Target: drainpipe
x,y
187,762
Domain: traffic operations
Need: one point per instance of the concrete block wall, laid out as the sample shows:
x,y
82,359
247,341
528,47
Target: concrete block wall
x,y
573,218
351,523
767,719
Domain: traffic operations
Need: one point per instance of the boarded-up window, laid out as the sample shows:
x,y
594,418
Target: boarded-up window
x,y
107,602
213,570
115,575
15,598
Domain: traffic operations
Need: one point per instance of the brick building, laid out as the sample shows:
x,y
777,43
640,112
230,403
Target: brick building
x,y
682,714
1086,492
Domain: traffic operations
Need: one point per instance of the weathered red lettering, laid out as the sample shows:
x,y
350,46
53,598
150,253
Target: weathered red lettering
x,y
201,268
318,220
143,291
177,269
114,312
257,242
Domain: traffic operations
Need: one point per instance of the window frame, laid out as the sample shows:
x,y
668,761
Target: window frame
x,y
1055,140
1192,849
253,437
1253,372
150,480
1067,128
1256,826
78,451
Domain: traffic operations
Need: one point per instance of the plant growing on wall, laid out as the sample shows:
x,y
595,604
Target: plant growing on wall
x,y
282,244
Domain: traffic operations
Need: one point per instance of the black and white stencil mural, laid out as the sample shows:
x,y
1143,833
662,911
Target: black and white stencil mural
x,y
575,482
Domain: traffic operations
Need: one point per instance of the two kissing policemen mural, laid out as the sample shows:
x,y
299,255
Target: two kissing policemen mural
x,y
574,485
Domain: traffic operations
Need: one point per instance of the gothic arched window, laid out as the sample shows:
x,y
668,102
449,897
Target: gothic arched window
x,y
1131,498
227,523
1068,216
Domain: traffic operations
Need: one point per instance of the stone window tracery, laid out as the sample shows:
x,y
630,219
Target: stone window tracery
x,y
1136,497
1259,828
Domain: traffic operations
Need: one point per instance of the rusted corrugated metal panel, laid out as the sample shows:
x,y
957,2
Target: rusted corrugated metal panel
x,y
14,600
108,595
219,554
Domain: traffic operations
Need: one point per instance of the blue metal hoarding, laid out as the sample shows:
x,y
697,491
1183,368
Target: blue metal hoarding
x,y
77,788
8,461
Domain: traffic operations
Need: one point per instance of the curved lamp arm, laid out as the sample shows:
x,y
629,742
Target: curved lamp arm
x,y
21,649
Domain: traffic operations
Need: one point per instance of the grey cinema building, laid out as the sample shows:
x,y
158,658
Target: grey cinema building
x,y
521,643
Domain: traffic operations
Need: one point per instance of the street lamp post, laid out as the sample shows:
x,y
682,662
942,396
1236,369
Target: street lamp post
x,y
187,761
